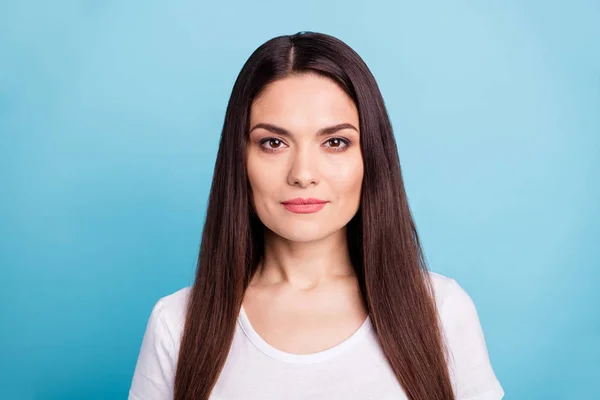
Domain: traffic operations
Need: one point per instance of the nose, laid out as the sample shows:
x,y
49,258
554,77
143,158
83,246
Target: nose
x,y
303,168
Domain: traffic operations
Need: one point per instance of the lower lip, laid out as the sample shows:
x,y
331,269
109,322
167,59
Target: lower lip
x,y
304,208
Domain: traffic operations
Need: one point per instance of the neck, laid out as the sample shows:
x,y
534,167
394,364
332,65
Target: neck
x,y
304,265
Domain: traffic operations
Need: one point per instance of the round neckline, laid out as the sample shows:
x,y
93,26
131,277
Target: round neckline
x,y
311,358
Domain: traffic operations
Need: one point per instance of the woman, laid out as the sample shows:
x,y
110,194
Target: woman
x,y
311,282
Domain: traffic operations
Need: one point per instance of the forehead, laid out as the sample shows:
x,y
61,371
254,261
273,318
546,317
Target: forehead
x,y
303,100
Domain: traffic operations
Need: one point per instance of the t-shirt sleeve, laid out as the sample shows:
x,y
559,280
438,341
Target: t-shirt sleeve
x,y
156,363
471,371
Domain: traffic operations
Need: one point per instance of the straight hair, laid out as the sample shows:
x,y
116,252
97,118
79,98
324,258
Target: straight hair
x,y
382,238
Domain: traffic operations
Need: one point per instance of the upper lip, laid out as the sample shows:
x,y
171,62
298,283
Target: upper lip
x,y
304,201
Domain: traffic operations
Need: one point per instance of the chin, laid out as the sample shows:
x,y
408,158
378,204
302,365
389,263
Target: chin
x,y
295,233
303,232
303,238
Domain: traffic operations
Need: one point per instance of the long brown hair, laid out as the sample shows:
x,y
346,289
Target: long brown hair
x,y
382,239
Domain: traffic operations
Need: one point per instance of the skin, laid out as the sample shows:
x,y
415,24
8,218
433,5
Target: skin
x,y
305,296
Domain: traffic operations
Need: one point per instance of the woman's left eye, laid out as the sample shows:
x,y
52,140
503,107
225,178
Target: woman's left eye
x,y
338,144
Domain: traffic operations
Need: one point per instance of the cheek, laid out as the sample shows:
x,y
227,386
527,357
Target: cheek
x,y
263,179
347,180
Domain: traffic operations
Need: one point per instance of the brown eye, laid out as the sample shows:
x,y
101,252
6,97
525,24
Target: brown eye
x,y
338,144
335,142
273,144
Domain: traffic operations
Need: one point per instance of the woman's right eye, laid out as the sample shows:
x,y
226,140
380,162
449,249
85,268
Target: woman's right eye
x,y
274,144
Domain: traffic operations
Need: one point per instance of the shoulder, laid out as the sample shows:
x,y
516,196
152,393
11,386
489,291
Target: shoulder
x,y
470,366
171,311
449,295
456,308
174,303
157,360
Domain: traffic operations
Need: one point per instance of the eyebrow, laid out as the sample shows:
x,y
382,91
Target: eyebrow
x,y
321,132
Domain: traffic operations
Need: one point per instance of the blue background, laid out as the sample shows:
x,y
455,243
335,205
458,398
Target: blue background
x,y
110,116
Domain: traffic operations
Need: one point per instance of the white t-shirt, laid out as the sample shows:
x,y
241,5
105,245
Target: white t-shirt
x,y
355,369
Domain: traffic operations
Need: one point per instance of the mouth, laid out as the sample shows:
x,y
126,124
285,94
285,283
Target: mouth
x,y
304,206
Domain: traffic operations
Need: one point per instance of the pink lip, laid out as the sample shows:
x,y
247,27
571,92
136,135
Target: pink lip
x,y
304,206
300,200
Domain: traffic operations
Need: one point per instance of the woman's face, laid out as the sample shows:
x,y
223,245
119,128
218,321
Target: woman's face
x,y
290,155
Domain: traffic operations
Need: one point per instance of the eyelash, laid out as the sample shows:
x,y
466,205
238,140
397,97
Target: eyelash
x,y
338,149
